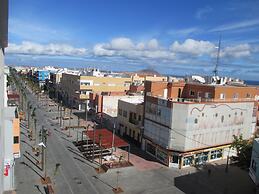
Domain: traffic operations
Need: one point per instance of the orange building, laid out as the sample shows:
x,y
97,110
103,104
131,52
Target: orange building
x,y
203,92
16,137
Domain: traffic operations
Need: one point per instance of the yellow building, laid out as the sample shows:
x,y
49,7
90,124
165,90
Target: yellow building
x,y
142,78
75,89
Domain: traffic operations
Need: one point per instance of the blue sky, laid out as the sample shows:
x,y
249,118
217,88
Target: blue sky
x,y
174,37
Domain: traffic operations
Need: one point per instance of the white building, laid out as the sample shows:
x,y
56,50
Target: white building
x,y
181,134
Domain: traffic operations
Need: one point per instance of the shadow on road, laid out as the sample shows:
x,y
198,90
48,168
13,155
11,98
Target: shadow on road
x,y
214,179
23,141
103,182
24,163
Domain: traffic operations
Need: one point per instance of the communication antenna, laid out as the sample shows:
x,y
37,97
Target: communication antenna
x,y
218,56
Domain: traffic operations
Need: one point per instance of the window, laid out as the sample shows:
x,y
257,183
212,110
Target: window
x,y
126,130
216,115
199,94
202,114
125,113
187,161
120,111
85,84
162,156
235,96
16,139
216,154
175,159
192,93
196,121
207,95
241,113
139,117
248,95
222,119
151,149
222,96
130,132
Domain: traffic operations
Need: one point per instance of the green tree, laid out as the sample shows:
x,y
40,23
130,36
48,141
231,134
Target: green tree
x,y
243,148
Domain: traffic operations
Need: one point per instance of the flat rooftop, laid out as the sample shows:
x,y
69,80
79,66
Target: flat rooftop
x,y
133,99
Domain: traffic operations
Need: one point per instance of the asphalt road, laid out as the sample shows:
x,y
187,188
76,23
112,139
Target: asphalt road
x,y
71,178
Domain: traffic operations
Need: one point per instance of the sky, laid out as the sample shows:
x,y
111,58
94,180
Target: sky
x,y
178,37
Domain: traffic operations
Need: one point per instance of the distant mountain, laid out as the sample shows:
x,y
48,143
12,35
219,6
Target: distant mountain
x,y
148,72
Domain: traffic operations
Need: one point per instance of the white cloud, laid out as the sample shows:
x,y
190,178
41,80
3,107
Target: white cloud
x,y
202,12
100,50
31,48
121,44
194,47
236,26
153,44
184,32
237,51
125,47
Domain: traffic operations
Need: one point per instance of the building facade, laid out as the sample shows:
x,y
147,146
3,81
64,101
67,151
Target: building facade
x,y
181,131
41,76
130,119
254,166
75,89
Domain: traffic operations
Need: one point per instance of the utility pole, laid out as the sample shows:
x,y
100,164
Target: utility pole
x,y
70,114
226,169
113,131
94,141
100,145
86,111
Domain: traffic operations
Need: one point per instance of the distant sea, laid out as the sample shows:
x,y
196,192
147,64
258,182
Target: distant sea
x,y
251,82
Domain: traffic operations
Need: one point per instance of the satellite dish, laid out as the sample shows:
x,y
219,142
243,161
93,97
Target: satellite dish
x,y
42,144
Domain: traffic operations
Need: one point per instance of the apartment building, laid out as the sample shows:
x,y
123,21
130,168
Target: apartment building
x,y
3,45
75,89
189,124
130,119
105,106
253,170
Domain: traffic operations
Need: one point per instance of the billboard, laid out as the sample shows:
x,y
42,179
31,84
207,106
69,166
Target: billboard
x,y
3,23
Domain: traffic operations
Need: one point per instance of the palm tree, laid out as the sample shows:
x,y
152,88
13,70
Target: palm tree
x,y
32,116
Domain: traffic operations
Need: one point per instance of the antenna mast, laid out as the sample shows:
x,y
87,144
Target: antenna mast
x,y
218,56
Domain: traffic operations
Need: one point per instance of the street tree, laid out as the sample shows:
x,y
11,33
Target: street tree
x,y
243,148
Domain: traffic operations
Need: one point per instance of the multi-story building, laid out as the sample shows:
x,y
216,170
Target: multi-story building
x,y
130,119
75,89
105,106
41,76
187,124
254,166
3,45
